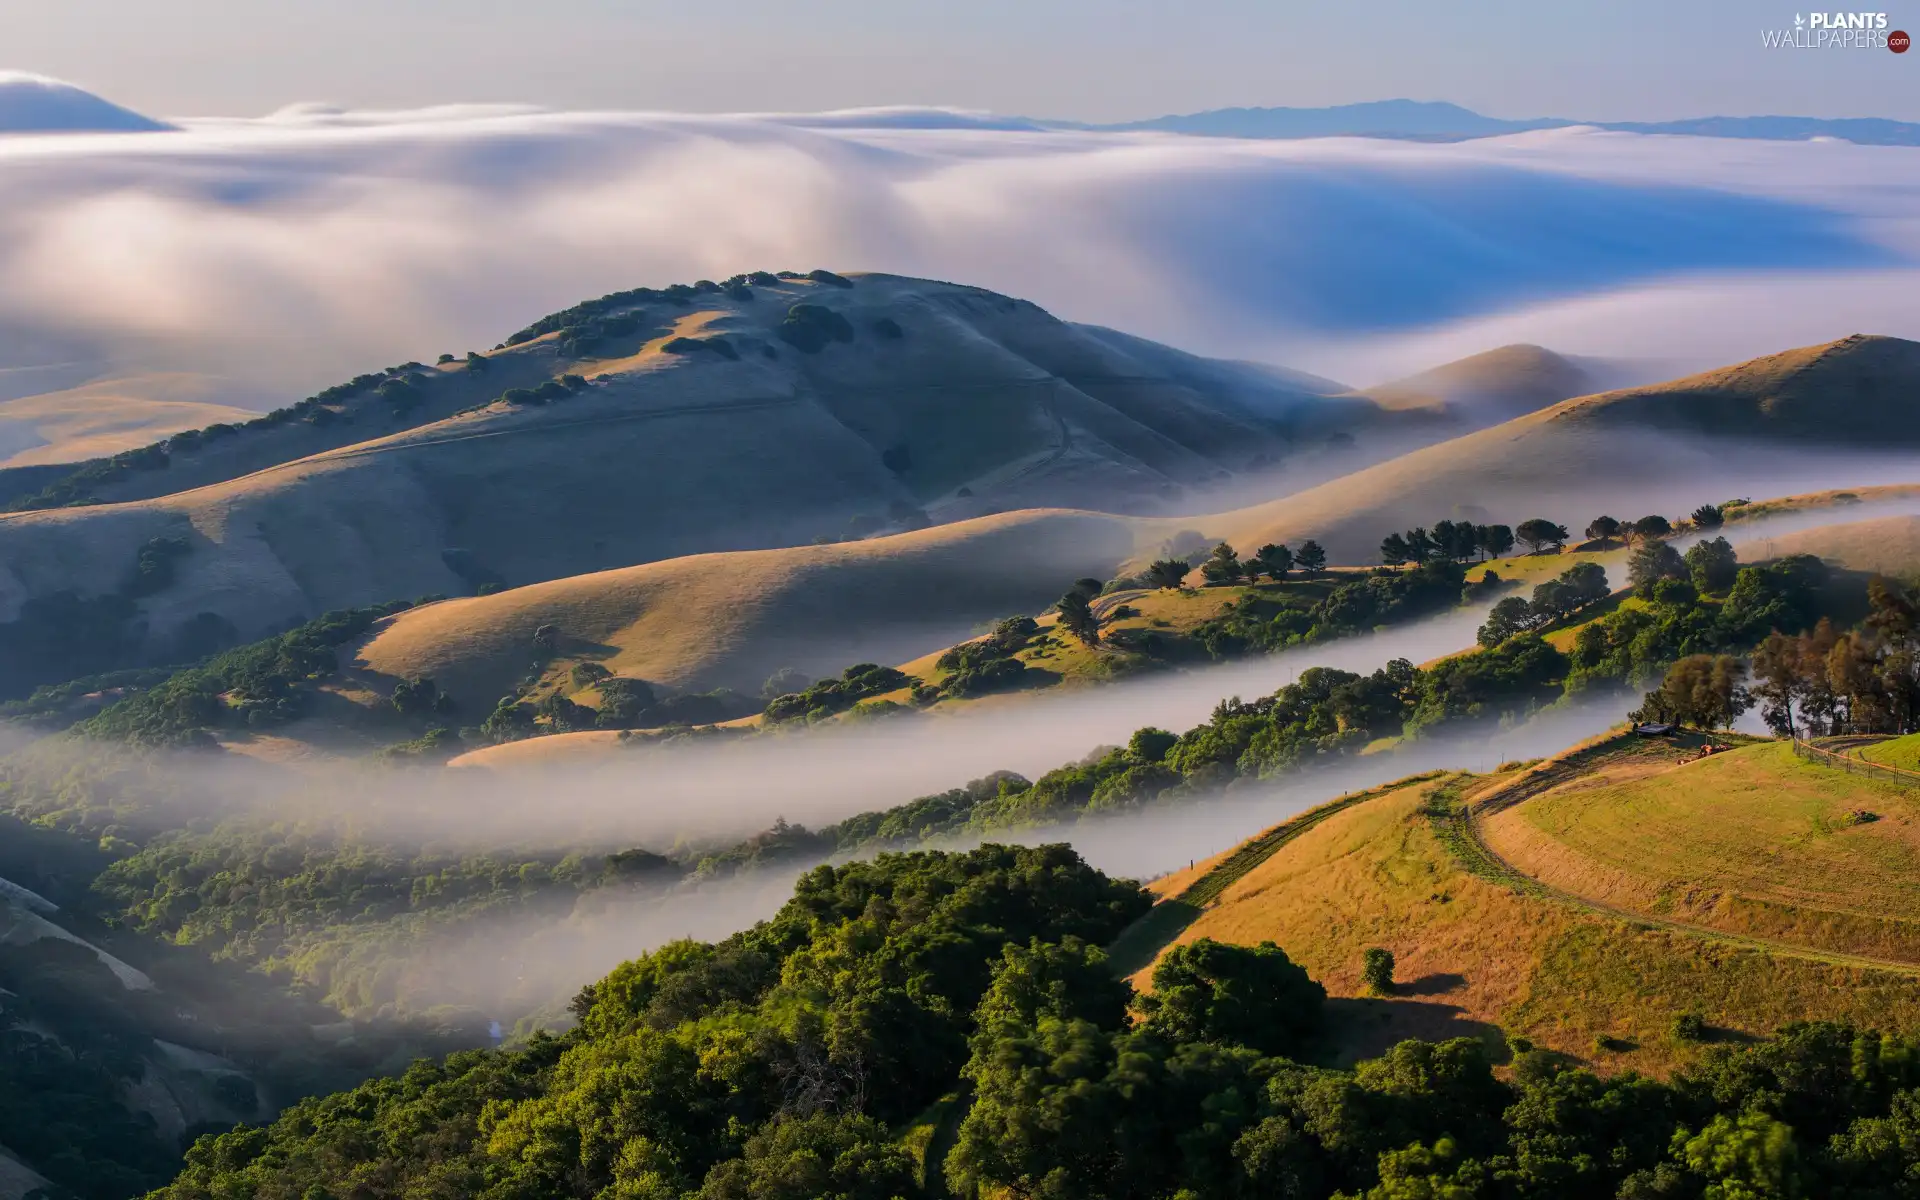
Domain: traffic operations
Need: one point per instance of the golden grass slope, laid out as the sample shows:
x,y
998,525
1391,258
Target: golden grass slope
x,y
105,417
1475,956
733,619
1882,545
982,403
1662,448
1753,841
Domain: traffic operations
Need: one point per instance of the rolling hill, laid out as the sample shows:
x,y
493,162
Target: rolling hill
x,y
646,426
1658,448
731,620
104,417
1732,887
1492,386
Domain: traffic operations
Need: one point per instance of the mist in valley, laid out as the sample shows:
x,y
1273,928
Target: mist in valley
x,y
708,793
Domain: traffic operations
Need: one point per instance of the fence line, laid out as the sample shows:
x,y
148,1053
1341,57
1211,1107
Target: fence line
x,y
1858,766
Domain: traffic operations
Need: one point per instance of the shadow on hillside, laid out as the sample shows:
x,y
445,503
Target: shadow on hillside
x,y
1141,942
1439,983
1367,1027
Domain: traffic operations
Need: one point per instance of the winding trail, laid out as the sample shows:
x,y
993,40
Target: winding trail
x,y
1465,821
1461,830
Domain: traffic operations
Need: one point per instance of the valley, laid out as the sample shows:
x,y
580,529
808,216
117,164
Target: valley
x,y
965,583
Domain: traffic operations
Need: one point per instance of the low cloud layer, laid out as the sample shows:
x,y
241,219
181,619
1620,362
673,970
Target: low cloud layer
x,y
296,249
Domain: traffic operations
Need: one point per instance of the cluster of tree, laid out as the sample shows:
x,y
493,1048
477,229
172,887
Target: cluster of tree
x,y
862,681
1453,541
154,566
1575,588
55,706
79,486
255,686
987,664
624,703
1269,621
1703,690
1863,681
774,1066
809,328
617,305
262,894
1225,568
715,345
776,1059
1675,619
544,393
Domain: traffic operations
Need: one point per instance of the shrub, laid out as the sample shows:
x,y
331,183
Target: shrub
x,y
821,275
1689,1027
889,329
809,327
1376,971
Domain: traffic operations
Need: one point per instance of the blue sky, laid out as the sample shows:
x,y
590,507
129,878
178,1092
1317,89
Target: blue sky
x,y
1080,59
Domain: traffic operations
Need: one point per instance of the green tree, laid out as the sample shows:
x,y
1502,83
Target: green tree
x,y
1603,529
824,1156
1394,550
1702,690
1539,533
1169,572
1650,528
1420,545
1507,618
1496,541
1708,516
1223,567
417,697
1272,560
1253,996
1311,558
1376,970
1751,1156
1713,566
1077,618
1652,561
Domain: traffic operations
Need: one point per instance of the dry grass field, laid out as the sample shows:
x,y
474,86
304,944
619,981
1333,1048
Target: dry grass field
x,y
106,416
1486,955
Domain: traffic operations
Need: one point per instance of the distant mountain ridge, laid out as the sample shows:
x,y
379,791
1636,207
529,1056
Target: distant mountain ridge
x,y
1433,120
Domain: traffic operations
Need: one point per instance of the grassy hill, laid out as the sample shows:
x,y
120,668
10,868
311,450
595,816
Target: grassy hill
x,y
731,620
1634,889
1884,545
1661,448
644,427
1489,387
104,417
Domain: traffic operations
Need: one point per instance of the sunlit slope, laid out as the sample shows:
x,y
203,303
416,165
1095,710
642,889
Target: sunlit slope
x,y
106,416
1753,841
942,398
733,619
1478,955
1885,545
1664,448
